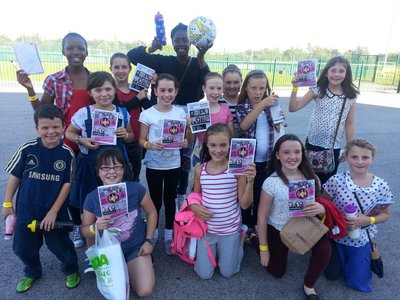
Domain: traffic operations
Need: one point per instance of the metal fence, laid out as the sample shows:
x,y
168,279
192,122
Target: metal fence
x,y
377,75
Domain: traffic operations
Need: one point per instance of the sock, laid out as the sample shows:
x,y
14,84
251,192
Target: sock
x,y
168,235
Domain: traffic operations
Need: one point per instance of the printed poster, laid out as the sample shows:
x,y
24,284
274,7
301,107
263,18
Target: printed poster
x,y
104,125
307,73
141,78
28,58
300,193
173,133
113,200
241,154
200,118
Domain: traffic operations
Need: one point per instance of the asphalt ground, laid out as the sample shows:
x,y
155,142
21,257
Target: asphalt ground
x,y
377,119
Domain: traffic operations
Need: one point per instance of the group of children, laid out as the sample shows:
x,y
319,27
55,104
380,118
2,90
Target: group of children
x,y
258,199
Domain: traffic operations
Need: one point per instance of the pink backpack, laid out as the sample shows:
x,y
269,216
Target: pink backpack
x,y
186,226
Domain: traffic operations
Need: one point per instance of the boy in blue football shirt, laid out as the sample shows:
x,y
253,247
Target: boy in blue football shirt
x,y
41,171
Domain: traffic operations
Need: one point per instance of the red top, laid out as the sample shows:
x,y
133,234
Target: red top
x,y
80,98
134,113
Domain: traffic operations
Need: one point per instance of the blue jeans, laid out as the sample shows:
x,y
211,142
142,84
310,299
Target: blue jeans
x,y
27,245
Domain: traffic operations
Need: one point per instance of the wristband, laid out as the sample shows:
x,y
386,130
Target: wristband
x,y
145,144
295,89
91,227
126,136
264,248
7,204
147,50
372,220
77,140
32,98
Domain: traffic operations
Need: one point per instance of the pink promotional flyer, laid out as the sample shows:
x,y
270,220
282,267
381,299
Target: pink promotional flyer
x,y
113,200
301,192
173,133
241,155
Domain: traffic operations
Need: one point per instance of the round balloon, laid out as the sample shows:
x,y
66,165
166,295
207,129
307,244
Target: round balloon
x,y
202,31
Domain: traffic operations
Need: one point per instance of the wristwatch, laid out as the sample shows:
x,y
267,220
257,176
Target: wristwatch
x,y
151,241
77,140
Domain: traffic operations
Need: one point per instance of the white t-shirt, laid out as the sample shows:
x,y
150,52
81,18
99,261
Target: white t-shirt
x,y
324,119
79,118
279,191
165,159
341,188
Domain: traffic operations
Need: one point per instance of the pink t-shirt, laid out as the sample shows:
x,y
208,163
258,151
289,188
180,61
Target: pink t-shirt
x,y
224,116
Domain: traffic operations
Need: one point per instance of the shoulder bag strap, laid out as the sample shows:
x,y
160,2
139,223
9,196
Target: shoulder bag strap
x,y
338,123
362,211
184,73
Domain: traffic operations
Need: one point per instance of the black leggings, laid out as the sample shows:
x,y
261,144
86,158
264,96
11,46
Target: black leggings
x,y
162,186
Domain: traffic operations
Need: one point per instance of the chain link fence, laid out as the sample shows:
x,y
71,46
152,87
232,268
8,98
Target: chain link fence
x,y
370,73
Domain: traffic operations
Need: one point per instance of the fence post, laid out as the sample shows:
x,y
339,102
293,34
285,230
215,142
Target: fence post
x,y
375,68
273,74
359,78
395,69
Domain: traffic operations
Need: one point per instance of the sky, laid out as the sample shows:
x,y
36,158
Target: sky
x,y
241,25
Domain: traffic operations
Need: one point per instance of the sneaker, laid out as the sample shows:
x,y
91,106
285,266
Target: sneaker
x,y
25,284
168,247
72,280
77,237
88,267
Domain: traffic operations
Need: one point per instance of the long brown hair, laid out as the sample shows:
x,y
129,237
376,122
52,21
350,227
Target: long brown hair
x,y
305,168
253,74
213,129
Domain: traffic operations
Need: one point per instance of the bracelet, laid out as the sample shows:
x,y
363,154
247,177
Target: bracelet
x,y
147,50
145,144
91,227
32,98
264,248
295,89
7,204
372,220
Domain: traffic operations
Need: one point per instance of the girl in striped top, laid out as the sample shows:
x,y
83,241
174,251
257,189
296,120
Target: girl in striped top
x,y
222,196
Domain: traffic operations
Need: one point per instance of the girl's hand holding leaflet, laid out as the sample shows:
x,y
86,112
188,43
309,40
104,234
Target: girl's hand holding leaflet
x,y
264,258
250,172
24,80
102,222
313,209
155,146
120,132
89,143
270,100
201,212
185,143
295,79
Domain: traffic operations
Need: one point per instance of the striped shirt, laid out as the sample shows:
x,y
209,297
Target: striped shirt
x,y
220,197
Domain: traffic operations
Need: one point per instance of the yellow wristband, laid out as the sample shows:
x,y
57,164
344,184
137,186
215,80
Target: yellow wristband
x,y
7,204
264,248
145,144
147,50
32,98
295,89
372,220
91,227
